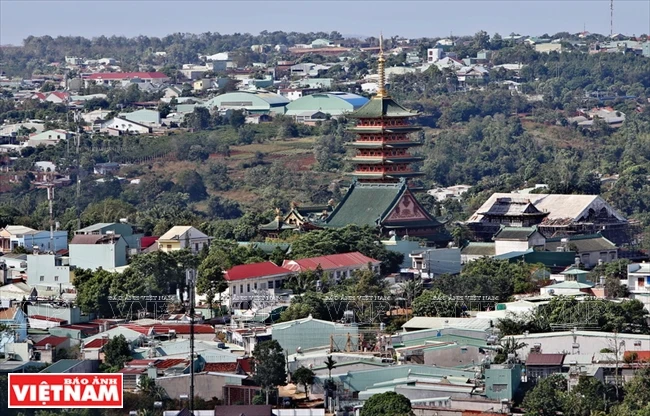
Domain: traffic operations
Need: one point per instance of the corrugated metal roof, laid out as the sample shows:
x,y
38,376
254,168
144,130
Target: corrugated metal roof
x,y
545,359
330,262
250,271
52,340
479,249
515,233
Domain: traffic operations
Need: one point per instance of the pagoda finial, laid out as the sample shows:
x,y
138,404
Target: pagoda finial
x,y
381,87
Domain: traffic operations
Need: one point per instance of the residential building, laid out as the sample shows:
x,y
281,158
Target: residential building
x,y
548,47
592,249
309,333
94,251
48,270
124,125
47,349
247,281
476,250
638,282
554,214
206,385
509,239
203,84
429,263
15,318
434,55
58,97
106,168
540,365
48,138
455,192
117,78
339,266
92,116
13,236
125,230
144,117
183,237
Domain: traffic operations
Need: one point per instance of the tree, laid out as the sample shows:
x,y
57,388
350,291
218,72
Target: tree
x,y
210,281
506,347
117,351
302,306
330,363
191,183
93,291
304,376
637,391
270,366
546,398
436,303
388,404
149,387
199,119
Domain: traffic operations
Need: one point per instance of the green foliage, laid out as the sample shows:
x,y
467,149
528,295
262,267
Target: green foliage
x,y
117,351
107,210
436,303
304,376
270,366
546,399
307,304
389,404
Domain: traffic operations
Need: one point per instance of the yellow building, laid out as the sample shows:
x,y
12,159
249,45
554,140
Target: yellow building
x,y
182,237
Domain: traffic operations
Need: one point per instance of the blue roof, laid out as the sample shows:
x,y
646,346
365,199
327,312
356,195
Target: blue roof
x,y
357,101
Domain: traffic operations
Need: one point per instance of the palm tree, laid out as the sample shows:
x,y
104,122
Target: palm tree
x,y
330,364
508,346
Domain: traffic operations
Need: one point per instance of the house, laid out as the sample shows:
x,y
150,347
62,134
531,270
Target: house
x,y
48,138
432,262
47,349
92,116
309,333
540,365
15,318
339,266
592,249
638,282
144,117
133,239
509,239
554,215
13,236
118,78
247,280
106,168
183,237
172,92
49,270
124,125
93,251
58,97
251,101
201,85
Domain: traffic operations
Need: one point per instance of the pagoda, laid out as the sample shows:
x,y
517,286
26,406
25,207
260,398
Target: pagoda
x,y
380,195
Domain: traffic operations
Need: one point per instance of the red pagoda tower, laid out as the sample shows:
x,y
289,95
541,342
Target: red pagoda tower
x,y
379,195
383,143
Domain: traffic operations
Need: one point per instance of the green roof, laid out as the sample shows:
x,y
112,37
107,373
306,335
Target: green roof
x,y
382,107
369,204
478,249
515,233
276,225
583,243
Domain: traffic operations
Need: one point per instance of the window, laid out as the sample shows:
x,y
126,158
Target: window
x,y
196,246
56,278
169,246
640,282
248,287
255,285
234,290
270,284
241,288
42,278
278,284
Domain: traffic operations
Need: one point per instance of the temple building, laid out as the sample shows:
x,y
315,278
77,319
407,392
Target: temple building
x,y
299,218
380,195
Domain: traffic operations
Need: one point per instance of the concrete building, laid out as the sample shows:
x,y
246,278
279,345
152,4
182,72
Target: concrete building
x,y
93,251
206,385
119,78
509,239
592,249
145,117
48,138
123,229
431,262
183,237
14,318
123,125
13,236
339,266
333,103
251,101
638,282
48,270
247,281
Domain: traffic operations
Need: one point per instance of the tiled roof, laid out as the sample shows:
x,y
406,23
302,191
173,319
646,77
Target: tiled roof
x,y
545,359
245,364
131,370
96,343
638,356
94,238
183,328
7,314
583,243
220,367
334,261
250,271
52,340
365,204
126,75
479,249
382,107
147,241
47,318
515,233
171,362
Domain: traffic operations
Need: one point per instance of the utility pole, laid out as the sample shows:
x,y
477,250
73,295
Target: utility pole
x,y
191,283
611,18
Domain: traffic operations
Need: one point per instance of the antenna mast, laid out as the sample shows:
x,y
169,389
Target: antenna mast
x,y
611,18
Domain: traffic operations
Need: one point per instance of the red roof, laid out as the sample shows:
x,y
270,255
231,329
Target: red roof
x,y
245,364
171,362
97,343
142,363
157,362
60,94
221,367
331,262
144,330
639,356
47,318
126,75
147,241
183,329
545,359
251,271
52,340
130,370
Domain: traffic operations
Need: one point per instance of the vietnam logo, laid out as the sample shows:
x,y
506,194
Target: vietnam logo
x,y
42,390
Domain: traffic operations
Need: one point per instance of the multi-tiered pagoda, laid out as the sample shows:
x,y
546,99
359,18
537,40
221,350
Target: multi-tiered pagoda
x,y
380,195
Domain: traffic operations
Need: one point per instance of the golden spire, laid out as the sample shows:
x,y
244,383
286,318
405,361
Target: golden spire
x,y
381,87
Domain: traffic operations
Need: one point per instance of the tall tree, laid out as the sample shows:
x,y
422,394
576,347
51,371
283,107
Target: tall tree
x,y
117,351
388,404
270,366
304,376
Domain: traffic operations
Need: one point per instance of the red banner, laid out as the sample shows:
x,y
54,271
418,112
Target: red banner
x,y
43,390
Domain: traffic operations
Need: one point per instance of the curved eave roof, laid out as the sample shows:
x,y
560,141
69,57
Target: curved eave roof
x,y
374,175
380,145
394,129
382,107
379,160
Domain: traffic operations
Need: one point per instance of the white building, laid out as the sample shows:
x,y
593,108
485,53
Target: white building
x,y
48,138
434,55
248,281
183,237
455,191
48,269
124,125
511,239
638,282
95,115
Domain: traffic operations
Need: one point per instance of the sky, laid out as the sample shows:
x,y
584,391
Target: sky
x,y
413,19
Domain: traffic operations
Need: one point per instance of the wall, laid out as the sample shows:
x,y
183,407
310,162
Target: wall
x,y
311,333
206,386
452,356
72,315
42,240
425,392
506,378
94,256
43,265
507,246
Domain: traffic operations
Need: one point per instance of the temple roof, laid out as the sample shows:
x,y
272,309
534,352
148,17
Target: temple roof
x,y
379,107
370,204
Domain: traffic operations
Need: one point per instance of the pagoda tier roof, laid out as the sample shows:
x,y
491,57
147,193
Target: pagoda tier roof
x,y
383,144
276,225
389,130
380,204
382,107
389,160
380,175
